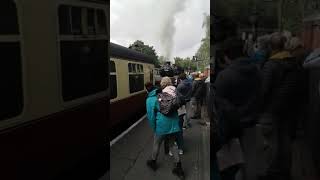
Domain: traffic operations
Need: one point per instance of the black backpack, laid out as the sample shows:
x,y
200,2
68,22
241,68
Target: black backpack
x,y
168,104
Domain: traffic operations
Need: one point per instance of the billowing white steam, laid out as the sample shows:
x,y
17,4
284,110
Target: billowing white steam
x,y
168,29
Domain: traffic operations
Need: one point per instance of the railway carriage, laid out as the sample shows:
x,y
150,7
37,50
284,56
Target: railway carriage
x,y
129,71
54,100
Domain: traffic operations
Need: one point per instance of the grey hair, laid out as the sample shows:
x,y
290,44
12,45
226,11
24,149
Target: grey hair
x,y
165,81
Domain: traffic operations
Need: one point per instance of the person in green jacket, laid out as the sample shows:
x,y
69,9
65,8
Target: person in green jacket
x,y
164,127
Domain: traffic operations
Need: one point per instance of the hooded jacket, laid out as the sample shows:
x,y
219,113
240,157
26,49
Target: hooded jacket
x,y
160,123
184,90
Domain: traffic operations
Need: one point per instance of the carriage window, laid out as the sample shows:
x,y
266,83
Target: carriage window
x,y
129,67
83,68
11,68
101,22
76,20
138,68
11,78
134,68
90,18
64,20
136,77
113,80
8,17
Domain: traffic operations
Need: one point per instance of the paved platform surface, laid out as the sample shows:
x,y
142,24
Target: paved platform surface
x,y
129,155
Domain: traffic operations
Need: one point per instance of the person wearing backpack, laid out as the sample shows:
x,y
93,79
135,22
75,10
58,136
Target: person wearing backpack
x,y
163,118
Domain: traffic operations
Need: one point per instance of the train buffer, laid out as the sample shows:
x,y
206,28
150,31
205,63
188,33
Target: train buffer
x,y
129,154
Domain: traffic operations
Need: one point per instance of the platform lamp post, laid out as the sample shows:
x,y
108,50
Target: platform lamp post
x,y
195,58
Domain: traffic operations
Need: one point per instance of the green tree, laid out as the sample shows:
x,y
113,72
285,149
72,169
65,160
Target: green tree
x,y
178,61
203,53
139,45
185,63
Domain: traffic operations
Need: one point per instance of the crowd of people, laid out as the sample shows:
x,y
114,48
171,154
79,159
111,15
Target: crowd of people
x,y
170,109
263,90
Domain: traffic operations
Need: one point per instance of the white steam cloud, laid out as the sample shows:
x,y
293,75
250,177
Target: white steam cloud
x,y
172,27
168,28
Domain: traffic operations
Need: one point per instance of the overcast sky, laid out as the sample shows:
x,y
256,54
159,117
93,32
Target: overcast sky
x,y
147,20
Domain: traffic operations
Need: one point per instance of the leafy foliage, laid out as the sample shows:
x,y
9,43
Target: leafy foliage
x,y
185,63
203,53
139,45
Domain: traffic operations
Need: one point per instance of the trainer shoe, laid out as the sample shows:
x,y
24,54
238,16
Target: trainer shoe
x,y
178,171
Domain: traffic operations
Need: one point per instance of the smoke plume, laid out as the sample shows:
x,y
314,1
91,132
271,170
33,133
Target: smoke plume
x,y
168,29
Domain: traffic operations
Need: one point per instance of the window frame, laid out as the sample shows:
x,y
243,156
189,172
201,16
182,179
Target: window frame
x,y
16,38
113,73
135,73
61,37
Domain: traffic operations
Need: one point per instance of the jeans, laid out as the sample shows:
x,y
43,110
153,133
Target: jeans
x,y
171,138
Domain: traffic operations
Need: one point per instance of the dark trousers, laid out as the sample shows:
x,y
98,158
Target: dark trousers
x,y
170,138
278,135
180,140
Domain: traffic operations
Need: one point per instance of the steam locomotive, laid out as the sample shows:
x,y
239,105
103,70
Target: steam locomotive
x,y
170,70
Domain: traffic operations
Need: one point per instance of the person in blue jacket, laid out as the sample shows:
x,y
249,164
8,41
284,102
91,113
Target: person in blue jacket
x,y
164,126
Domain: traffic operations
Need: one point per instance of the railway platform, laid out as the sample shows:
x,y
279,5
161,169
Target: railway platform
x,y
129,154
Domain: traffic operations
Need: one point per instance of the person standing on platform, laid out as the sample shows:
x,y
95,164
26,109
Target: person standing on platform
x,y
283,83
184,95
197,95
237,90
164,126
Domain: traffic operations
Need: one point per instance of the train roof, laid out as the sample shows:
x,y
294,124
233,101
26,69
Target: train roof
x,y
126,53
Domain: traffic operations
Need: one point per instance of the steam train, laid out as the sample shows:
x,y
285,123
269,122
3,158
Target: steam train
x,y
129,71
54,101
